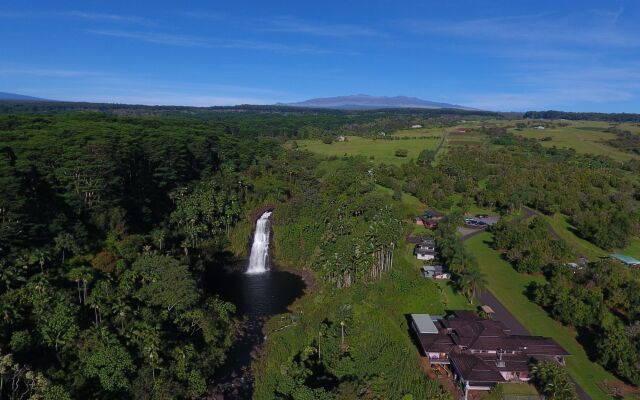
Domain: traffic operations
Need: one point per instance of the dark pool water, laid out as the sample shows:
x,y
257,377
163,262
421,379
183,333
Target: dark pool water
x,y
257,298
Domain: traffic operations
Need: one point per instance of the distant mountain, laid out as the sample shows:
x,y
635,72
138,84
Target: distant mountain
x,y
19,97
366,102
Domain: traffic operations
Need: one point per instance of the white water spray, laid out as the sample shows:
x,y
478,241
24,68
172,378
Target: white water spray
x,y
260,248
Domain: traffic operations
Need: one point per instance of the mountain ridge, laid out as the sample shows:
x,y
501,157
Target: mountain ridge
x,y
364,101
19,97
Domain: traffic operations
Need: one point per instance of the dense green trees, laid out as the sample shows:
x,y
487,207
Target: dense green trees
x,y
97,295
601,299
552,381
340,226
466,274
529,246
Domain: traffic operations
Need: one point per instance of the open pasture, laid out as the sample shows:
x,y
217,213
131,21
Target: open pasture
x,y
382,150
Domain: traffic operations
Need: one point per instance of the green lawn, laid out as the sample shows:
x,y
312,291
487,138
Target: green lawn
x,y
383,151
410,205
452,299
518,389
633,249
582,140
509,287
584,247
580,246
418,132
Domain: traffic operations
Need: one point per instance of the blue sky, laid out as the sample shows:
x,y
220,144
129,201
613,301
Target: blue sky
x,y
495,55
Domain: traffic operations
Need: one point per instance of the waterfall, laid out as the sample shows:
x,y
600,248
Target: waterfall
x,y
260,247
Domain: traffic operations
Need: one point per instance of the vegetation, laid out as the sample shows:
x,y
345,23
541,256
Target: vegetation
x,y
552,381
467,277
511,288
530,247
107,227
603,302
382,151
611,117
114,219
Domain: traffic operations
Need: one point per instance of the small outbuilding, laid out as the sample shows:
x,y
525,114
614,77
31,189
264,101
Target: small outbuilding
x,y
423,323
434,272
628,261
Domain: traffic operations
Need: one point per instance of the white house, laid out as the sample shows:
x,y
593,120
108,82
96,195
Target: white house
x,y
424,254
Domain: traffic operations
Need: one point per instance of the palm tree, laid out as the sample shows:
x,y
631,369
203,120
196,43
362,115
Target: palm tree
x,y
472,281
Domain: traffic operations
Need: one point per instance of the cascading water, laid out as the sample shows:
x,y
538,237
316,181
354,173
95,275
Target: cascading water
x,y
260,248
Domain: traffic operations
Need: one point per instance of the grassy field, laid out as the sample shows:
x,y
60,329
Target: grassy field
x,y
422,132
583,247
633,249
509,287
584,139
382,151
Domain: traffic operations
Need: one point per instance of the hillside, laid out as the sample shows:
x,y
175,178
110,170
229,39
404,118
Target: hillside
x,y
18,97
366,102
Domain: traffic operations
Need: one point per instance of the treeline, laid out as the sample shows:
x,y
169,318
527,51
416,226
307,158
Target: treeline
x,y
529,246
588,116
625,140
596,194
337,223
467,277
276,121
340,226
108,226
602,301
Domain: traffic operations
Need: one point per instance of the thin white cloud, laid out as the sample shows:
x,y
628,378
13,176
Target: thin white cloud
x,y
578,29
555,86
156,38
204,15
117,18
193,41
298,26
172,99
47,72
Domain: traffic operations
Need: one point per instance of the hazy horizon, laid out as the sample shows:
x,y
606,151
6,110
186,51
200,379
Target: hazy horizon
x,y
582,56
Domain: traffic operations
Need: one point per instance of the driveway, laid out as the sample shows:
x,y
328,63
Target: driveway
x,y
503,314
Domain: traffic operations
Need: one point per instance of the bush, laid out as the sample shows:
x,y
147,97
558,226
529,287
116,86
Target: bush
x,y
552,381
402,152
327,140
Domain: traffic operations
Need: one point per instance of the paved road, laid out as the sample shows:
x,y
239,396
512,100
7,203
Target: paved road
x,y
503,314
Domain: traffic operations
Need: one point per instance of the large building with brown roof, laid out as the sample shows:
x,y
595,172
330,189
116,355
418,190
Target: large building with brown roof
x,y
481,352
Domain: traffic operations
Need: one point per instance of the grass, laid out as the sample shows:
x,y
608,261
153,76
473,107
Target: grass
x,y
380,310
563,228
410,205
581,140
382,151
633,249
418,132
452,299
509,287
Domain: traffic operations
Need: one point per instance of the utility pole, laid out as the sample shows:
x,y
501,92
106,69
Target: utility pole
x,y
342,329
